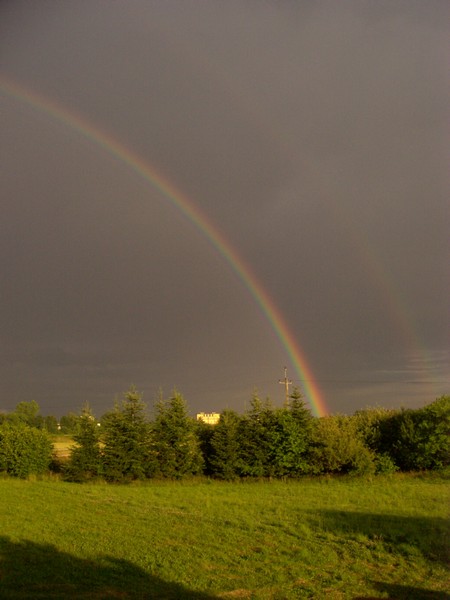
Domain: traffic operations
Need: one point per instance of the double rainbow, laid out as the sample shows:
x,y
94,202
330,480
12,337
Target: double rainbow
x,y
126,156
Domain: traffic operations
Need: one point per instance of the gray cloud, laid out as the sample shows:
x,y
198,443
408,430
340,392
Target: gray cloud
x,y
311,134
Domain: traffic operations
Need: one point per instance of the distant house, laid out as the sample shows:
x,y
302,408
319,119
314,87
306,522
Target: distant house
x,y
210,418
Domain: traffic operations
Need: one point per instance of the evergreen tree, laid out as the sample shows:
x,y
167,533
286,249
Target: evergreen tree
x,y
175,443
290,444
225,457
299,411
276,442
205,432
126,439
85,458
256,441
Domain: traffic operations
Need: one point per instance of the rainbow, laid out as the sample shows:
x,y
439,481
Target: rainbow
x,y
201,221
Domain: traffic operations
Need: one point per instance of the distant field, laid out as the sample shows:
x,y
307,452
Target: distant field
x,y
62,445
324,538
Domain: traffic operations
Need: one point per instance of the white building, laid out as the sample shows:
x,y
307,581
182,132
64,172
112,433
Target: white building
x,y
210,418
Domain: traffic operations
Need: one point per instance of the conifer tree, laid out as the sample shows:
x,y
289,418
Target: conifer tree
x,y
225,460
255,438
126,438
85,458
299,410
175,443
275,442
205,432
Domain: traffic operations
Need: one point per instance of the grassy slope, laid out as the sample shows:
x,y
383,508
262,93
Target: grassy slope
x,y
323,538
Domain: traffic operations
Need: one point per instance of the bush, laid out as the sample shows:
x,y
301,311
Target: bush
x,y
384,465
338,447
418,439
24,450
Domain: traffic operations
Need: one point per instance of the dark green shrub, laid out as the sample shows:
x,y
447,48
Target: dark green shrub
x,y
384,465
418,439
338,447
68,423
24,450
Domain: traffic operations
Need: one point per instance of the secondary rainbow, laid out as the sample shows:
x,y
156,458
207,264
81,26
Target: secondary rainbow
x,y
195,215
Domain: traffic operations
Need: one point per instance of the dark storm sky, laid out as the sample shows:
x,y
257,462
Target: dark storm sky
x,y
314,135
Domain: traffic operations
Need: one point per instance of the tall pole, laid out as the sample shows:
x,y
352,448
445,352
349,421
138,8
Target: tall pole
x,y
286,382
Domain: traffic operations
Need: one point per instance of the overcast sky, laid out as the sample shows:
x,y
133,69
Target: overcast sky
x,y
313,135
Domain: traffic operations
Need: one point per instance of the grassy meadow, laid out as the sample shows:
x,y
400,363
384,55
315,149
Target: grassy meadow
x,y
334,538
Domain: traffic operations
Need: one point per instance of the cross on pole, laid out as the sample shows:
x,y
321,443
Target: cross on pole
x,y
286,382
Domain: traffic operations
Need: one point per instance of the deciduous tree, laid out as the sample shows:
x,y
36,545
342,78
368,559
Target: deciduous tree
x,y
418,439
339,448
27,412
24,450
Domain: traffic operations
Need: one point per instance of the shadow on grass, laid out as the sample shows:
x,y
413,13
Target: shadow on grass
x,y
408,536
405,592
40,571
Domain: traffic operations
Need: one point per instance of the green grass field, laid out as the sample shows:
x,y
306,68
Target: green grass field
x,y
323,538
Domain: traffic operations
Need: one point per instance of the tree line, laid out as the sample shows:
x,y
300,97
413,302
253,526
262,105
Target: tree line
x,y
264,442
